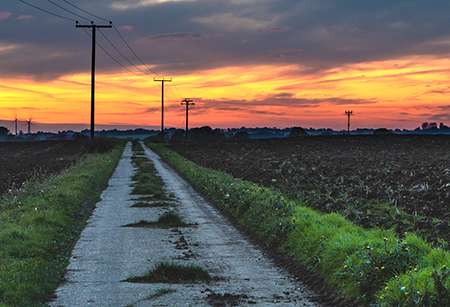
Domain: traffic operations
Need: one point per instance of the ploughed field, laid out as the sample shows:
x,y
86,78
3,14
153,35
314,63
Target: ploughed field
x,y
20,161
395,181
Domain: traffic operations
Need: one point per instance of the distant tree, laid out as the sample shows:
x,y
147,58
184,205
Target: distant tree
x,y
179,135
432,126
205,133
4,131
242,135
382,131
424,126
297,132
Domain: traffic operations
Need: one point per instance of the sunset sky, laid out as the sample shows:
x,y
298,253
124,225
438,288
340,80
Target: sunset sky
x,y
252,63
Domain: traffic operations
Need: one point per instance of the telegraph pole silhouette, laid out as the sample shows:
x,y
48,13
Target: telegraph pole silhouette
x,y
162,104
348,113
94,28
187,102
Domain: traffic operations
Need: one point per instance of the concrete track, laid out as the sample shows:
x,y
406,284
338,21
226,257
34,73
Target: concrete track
x,y
106,254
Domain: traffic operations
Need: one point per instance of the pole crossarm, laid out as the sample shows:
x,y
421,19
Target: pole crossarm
x,y
163,80
93,25
94,28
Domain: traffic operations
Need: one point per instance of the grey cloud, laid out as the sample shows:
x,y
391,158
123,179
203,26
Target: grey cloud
x,y
317,34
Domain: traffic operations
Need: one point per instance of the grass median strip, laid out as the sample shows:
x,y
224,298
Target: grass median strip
x,y
372,266
146,180
40,225
172,273
169,219
154,204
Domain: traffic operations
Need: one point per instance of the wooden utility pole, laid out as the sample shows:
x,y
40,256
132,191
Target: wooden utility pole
x,y
162,104
94,28
348,113
187,102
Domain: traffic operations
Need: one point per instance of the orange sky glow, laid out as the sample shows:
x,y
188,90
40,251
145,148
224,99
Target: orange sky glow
x,y
399,93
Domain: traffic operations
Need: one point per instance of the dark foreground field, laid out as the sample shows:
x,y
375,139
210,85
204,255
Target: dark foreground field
x,y
400,182
20,161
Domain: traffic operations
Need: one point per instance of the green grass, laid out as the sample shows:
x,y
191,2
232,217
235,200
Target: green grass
x,y
40,224
146,204
146,180
372,266
171,273
169,219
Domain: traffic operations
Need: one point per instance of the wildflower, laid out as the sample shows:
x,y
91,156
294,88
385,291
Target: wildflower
x,y
403,288
345,266
386,288
382,267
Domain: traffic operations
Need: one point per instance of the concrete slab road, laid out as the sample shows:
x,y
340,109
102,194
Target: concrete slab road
x,y
107,254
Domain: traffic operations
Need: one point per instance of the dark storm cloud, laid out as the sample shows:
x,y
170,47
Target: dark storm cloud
x,y
184,36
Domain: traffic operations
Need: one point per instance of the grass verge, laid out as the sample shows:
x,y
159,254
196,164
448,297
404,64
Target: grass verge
x,y
171,273
375,267
40,224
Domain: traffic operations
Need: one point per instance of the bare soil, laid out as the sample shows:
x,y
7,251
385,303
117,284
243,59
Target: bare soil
x,y
400,182
20,161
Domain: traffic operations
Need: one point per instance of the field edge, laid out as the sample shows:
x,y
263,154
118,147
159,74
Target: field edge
x,y
41,224
370,266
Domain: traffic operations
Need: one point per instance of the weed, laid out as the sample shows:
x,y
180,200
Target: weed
x,y
173,274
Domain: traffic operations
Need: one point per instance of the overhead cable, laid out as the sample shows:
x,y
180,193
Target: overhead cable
x,y
69,11
121,53
131,49
45,11
114,59
86,12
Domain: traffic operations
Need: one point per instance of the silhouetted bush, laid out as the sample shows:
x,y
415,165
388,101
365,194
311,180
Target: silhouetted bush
x,y
382,131
298,132
102,145
241,135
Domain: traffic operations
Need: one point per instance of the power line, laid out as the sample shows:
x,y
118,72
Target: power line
x,y
86,12
107,53
45,11
122,53
177,89
69,11
131,49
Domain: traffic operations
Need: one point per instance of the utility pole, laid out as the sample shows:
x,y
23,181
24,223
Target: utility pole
x,y
15,124
187,102
348,113
162,104
29,126
94,28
